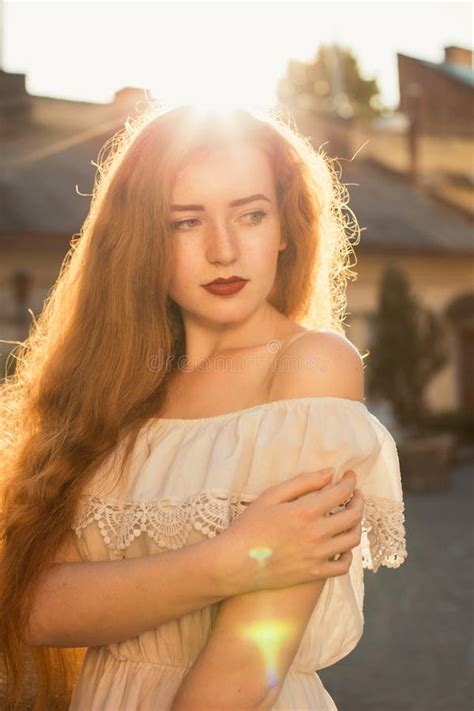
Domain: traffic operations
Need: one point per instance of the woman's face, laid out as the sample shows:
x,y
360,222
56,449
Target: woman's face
x,y
214,238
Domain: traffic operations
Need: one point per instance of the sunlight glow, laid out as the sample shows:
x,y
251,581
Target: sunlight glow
x,y
204,52
268,636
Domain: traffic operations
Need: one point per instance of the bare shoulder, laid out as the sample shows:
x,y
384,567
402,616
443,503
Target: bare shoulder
x,y
319,363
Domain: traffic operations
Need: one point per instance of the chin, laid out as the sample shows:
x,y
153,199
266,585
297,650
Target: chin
x,y
225,313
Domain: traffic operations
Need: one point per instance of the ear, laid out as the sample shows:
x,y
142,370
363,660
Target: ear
x,y
283,241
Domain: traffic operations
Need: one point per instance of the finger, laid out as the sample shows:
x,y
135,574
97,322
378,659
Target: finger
x,y
347,540
344,519
321,502
298,485
356,501
333,568
327,526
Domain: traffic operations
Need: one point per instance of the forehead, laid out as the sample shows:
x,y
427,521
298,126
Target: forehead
x,y
232,166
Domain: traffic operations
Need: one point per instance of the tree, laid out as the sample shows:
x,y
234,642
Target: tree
x,y
330,85
408,348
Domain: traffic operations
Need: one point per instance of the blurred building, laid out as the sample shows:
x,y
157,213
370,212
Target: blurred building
x,y
430,138
410,177
49,146
435,248
438,95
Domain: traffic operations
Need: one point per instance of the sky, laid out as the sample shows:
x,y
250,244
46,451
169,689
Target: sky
x,y
214,51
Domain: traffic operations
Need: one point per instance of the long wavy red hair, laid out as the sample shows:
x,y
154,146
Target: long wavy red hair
x,y
83,378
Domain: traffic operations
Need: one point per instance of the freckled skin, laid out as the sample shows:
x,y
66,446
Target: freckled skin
x,y
222,241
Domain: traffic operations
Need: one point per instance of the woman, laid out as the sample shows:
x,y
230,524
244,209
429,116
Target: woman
x,y
122,425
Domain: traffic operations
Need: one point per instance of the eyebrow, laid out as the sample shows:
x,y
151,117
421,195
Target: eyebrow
x,y
234,203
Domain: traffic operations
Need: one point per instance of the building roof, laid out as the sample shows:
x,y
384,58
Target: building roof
x,y
465,75
462,73
40,200
395,217
41,192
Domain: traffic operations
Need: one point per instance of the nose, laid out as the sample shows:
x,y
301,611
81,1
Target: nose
x,y
222,245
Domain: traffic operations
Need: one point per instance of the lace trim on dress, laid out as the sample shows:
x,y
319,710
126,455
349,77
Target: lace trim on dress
x,y
168,522
383,527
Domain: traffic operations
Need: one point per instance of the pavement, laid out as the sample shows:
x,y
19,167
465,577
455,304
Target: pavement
x,y
417,650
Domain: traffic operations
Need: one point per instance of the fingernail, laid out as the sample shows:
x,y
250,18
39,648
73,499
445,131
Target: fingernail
x,y
326,473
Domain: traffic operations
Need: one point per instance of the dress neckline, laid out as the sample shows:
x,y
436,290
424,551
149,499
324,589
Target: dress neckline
x,y
273,404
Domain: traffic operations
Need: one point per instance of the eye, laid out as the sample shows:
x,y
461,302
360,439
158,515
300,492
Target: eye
x,y
260,213
176,225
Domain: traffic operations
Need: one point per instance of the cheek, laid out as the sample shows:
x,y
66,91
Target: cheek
x,y
185,266
263,256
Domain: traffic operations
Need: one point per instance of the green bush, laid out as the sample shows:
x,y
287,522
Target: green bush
x,y
408,348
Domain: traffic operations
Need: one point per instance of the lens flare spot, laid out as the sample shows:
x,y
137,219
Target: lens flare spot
x,y
261,553
268,635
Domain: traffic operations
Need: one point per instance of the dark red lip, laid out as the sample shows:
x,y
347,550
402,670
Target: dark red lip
x,y
227,288
225,281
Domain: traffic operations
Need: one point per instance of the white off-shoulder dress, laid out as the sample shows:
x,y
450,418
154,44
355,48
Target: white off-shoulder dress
x,y
190,478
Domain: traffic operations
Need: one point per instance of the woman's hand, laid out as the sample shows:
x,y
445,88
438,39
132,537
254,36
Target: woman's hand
x,y
287,537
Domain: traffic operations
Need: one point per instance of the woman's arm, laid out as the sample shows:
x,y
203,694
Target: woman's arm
x,y
255,639
258,634
89,603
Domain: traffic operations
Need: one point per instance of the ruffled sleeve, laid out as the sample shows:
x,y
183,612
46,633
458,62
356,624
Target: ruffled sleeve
x,y
320,432
312,434
383,540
